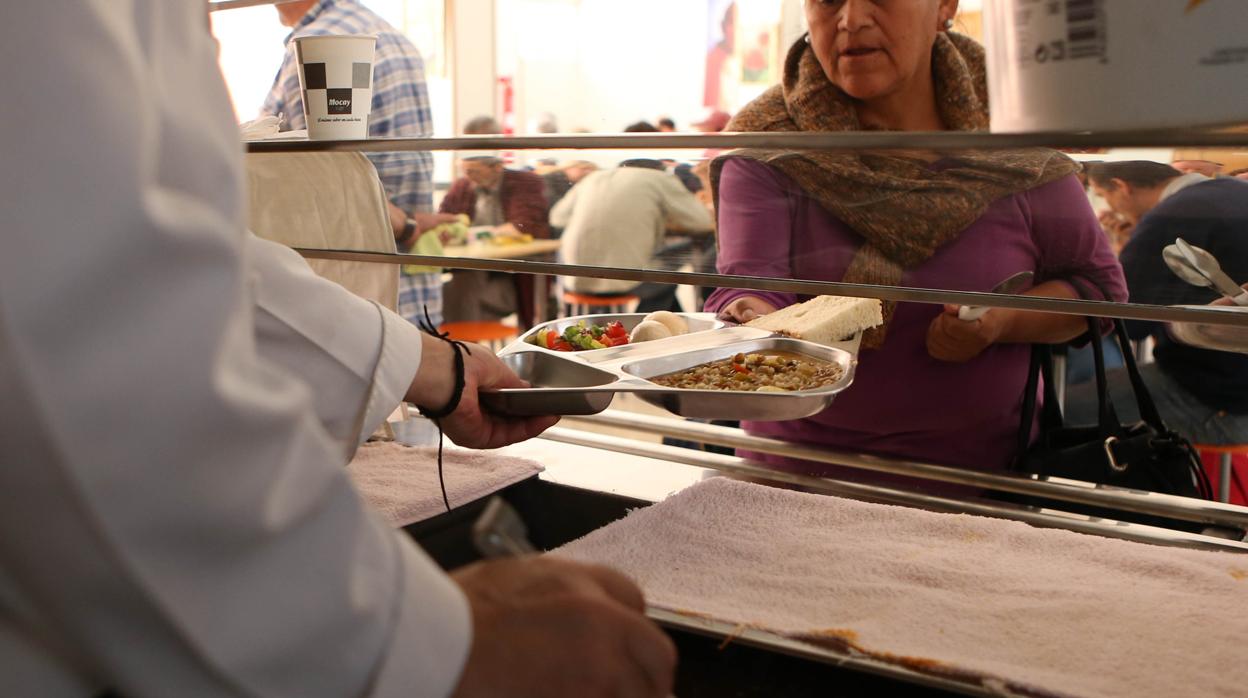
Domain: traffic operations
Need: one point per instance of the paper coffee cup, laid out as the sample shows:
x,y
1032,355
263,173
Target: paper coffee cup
x,y
336,74
1116,64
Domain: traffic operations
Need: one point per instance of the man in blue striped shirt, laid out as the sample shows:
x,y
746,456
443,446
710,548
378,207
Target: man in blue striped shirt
x,y
400,109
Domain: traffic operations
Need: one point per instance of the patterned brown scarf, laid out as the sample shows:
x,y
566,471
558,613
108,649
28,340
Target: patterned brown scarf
x,y
902,207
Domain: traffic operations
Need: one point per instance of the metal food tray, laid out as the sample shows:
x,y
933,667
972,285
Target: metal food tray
x,y
1207,336
585,382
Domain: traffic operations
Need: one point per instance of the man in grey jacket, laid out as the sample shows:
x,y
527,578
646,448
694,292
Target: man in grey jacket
x,y
619,218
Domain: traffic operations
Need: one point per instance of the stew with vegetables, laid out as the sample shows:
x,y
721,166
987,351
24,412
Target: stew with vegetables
x,y
775,371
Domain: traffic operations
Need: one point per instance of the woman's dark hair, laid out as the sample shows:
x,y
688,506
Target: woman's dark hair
x,y
667,122
1138,173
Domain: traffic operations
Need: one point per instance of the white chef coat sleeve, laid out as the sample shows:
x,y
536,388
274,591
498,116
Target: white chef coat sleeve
x,y
177,519
329,338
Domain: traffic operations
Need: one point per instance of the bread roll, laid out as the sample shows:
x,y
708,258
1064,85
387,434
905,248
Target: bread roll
x,y
673,322
647,330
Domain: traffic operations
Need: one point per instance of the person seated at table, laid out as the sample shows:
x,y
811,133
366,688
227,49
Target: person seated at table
x,y
929,387
1200,393
619,218
559,180
512,203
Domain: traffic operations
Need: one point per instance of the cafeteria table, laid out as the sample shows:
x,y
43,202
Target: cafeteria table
x,y
535,250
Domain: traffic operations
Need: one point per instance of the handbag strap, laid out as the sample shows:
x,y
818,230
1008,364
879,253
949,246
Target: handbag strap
x,y
1051,418
1051,414
1143,398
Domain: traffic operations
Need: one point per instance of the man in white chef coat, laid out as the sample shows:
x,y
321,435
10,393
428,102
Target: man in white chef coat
x,y
177,400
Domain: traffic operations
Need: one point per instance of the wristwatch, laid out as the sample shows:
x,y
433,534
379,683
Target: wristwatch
x,y
409,231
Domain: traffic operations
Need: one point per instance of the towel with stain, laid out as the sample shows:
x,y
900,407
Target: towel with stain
x,y
1002,604
401,482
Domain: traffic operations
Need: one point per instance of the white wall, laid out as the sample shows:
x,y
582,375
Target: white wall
x,y
251,51
602,64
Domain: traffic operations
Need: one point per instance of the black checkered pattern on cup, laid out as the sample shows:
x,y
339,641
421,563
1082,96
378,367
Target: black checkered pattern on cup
x,y
314,76
338,98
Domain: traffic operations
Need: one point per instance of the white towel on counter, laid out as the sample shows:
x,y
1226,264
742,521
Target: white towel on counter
x,y
1044,612
401,482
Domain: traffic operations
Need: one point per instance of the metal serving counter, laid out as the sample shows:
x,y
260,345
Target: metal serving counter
x,y
592,479
582,491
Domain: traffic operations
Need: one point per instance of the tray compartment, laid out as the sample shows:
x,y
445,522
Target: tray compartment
x,y
698,322
559,386
737,404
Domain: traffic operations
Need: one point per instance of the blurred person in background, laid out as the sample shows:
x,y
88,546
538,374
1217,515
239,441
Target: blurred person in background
x,y
546,123
483,125
620,218
715,121
1202,394
641,127
400,109
512,203
1207,168
666,125
929,386
560,179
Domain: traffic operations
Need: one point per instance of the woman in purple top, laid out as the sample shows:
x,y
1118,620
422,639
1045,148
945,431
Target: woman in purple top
x,y
929,386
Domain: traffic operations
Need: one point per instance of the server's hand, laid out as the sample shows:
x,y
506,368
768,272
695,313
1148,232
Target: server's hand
x,y
551,628
469,425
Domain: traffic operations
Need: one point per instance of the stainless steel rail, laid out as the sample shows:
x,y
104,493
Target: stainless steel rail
x,y
853,140
773,642
1039,517
1181,508
238,4
1129,311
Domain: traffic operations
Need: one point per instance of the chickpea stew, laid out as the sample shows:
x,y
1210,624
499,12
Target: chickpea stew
x,y
771,371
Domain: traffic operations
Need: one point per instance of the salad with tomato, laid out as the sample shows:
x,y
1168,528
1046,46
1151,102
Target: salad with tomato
x,y
582,337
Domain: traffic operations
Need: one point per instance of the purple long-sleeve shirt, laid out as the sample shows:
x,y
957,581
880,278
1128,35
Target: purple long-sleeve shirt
x,y
904,403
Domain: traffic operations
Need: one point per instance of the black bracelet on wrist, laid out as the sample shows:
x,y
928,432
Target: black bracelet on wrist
x,y
457,391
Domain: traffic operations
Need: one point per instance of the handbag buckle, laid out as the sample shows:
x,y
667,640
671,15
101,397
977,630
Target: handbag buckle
x,y
1109,453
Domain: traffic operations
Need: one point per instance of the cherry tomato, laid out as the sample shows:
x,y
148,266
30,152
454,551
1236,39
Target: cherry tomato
x,y
562,345
615,329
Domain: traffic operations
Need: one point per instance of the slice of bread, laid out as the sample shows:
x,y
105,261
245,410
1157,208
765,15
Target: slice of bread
x,y
823,319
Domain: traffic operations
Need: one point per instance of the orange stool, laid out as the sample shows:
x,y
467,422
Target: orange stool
x,y
585,304
491,334
1230,488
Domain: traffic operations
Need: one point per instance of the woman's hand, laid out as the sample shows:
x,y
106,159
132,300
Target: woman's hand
x,y
954,340
1227,301
746,308
951,339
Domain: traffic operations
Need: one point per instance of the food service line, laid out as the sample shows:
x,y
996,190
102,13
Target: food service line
x,y
1067,306
1152,503
1049,518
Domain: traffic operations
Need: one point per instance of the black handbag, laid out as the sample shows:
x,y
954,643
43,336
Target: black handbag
x,y
1143,456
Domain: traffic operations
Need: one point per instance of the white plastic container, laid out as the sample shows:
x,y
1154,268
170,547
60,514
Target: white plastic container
x,y
336,74
1060,65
